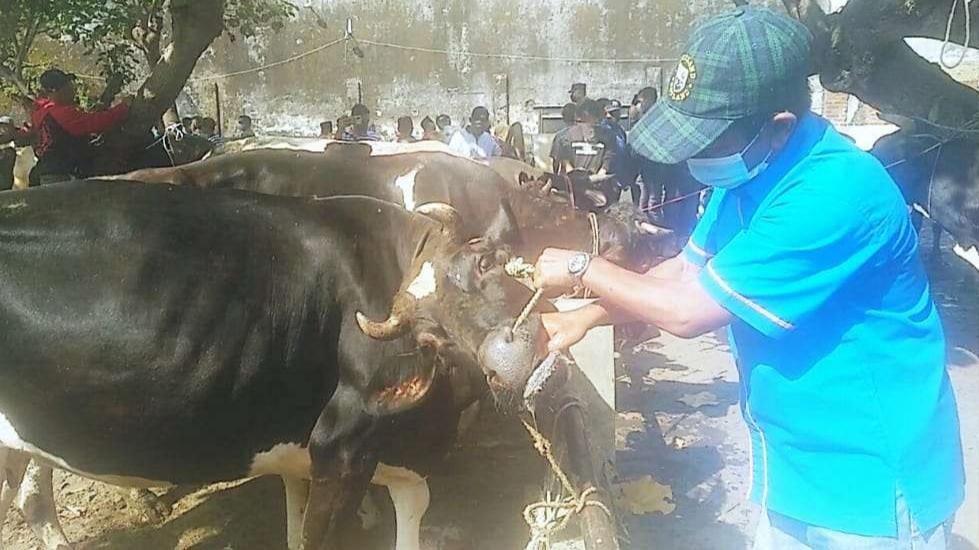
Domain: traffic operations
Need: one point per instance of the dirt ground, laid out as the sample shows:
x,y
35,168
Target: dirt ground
x,y
678,423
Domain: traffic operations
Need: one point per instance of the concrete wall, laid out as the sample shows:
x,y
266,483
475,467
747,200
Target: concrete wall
x,y
294,98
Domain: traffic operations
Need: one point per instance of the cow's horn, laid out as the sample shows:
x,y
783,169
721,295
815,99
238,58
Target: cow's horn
x,y
600,178
398,322
653,230
446,215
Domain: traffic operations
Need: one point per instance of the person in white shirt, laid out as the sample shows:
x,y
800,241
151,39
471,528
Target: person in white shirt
x,y
475,141
444,123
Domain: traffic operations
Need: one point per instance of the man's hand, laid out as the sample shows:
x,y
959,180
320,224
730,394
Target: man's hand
x,y
564,329
551,272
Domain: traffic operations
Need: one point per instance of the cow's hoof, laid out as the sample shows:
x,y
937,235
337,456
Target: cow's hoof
x,y
148,506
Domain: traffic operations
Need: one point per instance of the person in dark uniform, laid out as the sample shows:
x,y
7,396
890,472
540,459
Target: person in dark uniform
x,y
586,145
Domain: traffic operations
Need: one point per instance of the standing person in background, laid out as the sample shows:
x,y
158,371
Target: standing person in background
x,y
612,125
406,127
63,130
642,103
326,129
208,130
244,129
569,115
475,141
578,93
517,143
444,123
586,145
360,118
345,129
430,131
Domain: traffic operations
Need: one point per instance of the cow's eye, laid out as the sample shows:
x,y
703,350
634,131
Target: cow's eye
x,y
486,263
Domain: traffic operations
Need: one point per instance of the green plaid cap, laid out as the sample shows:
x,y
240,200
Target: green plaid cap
x,y
735,66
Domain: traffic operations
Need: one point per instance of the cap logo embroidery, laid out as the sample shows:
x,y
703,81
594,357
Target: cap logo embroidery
x,y
682,83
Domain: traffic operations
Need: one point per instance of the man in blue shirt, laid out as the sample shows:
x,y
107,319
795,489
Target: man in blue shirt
x,y
806,252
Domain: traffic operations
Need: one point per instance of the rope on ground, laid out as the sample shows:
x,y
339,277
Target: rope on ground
x,y
948,35
551,515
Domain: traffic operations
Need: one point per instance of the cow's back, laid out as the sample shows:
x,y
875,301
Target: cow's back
x,y
180,322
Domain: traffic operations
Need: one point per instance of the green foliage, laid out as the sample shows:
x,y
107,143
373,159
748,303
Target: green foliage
x,y
113,31
250,17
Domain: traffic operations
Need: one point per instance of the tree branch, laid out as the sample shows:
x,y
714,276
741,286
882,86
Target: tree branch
x,y
16,80
196,23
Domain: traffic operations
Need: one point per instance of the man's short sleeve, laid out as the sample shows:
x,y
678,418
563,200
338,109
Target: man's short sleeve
x,y
696,250
790,261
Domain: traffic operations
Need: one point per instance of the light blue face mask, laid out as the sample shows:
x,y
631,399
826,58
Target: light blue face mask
x,y
727,172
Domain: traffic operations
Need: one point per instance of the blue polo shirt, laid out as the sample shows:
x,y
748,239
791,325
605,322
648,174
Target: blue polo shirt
x,y
838,343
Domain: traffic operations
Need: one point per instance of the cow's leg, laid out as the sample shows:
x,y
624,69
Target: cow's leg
x,y
297,493
12,467
410,494
36,501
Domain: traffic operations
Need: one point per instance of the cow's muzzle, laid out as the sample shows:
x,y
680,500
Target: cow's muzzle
x,y
510,357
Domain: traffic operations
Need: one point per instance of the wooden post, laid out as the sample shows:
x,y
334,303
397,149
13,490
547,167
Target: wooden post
x,y
597,529
217,103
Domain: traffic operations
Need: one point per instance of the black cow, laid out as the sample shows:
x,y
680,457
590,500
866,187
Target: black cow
x,y
939,178
159,335
413,178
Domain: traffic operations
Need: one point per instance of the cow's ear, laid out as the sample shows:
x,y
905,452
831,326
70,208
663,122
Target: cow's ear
x,y
402,383
503,229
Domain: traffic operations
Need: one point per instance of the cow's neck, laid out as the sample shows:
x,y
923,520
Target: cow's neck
x,y
546,223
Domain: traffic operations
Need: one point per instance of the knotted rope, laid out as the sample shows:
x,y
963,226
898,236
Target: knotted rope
x,y
551,515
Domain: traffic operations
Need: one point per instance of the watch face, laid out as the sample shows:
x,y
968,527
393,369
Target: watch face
x,y
578,264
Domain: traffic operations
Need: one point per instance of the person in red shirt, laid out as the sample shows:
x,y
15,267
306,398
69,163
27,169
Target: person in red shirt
x,y
63,130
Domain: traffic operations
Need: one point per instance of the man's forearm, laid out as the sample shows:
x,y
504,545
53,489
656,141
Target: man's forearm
x,y
604,312
678,305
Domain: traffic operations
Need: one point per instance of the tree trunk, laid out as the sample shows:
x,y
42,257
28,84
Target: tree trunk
x,y
861,51
196,23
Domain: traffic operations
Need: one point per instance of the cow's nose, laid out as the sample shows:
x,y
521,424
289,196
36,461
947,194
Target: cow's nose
x,y
506,356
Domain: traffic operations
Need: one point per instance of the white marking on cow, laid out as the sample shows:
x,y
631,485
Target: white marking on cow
x,y
297,494
16,205
406,184
424,284
22,167
411,497
971,255
10,438
285,459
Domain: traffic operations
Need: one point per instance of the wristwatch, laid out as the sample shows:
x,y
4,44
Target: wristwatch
x,y
578,265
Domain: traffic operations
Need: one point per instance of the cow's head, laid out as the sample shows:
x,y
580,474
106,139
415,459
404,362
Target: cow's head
x,y
459,305
589,192
627,238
